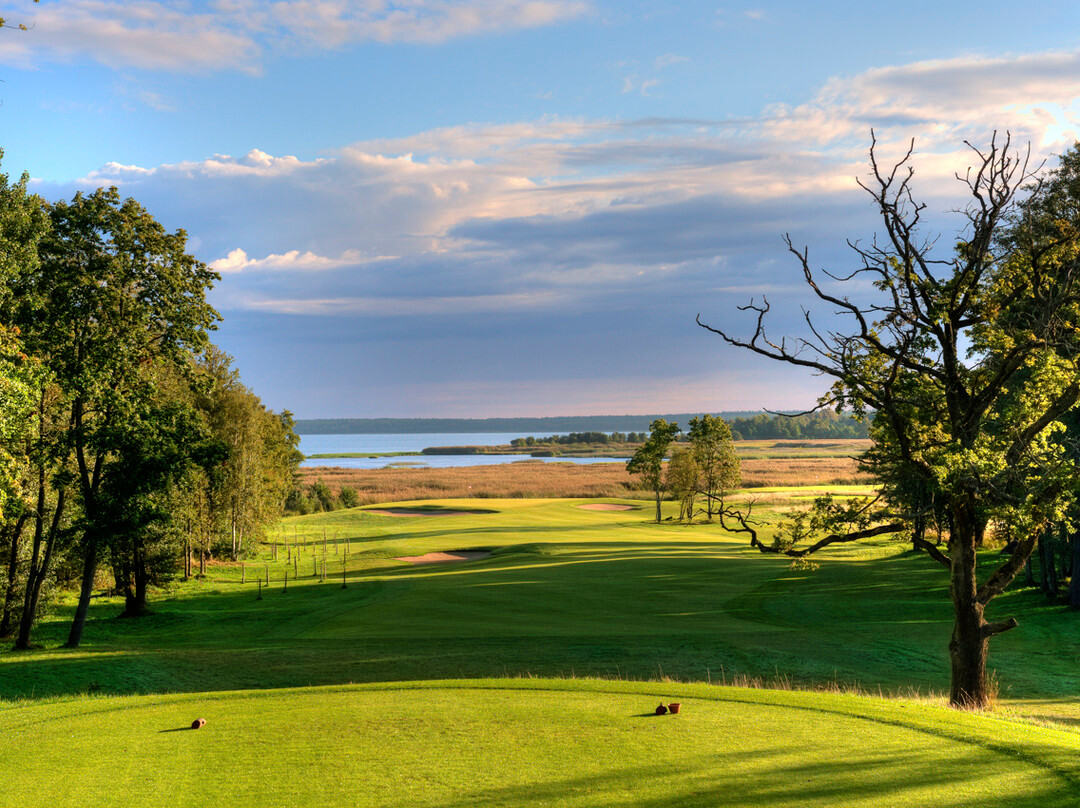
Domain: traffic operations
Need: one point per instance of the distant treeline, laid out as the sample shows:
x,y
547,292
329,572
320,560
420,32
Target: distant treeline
x,y
562,423
760,426
824,424
582,437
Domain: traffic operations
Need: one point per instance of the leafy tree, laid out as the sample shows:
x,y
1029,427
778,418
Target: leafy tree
x,y
714,453
114,294
681,479
648,460
152,453
348,497
252,485
964,364
322,497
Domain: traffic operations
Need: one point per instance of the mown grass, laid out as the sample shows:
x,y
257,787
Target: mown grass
x,y
566,592
528,742
318,695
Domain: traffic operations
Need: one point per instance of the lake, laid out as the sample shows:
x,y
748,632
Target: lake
x,y
410,442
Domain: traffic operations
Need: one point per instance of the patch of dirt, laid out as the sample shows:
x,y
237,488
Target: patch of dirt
x,y
605,506
445,558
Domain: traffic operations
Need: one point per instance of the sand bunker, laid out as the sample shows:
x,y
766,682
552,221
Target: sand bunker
x,y
605,506
420,512
443,558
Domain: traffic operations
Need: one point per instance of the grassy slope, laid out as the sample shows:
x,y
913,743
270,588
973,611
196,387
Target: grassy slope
x,y
510,743
568,592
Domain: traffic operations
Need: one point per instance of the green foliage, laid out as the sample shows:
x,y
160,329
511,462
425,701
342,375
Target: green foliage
x,y
714,453
348,497
648,460
681,479
818,425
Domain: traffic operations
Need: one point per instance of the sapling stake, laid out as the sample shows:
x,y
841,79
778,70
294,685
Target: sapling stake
x,y
260,588
242,579
343,573
286,588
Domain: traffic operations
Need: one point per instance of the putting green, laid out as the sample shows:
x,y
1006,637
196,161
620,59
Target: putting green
x,y
515,742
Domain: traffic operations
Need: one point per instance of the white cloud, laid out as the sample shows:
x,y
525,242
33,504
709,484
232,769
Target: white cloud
x,y
145,34
669,59
521,214
238,261
169,35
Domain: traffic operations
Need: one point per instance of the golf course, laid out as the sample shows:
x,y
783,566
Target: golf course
x,y
526,665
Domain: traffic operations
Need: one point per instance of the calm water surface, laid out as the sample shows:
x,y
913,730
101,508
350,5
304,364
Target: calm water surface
x,y
322,444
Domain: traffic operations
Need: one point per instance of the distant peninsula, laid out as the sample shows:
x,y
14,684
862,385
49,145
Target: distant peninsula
x,y
524,426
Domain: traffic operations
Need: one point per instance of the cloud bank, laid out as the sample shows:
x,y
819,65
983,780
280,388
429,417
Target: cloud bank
x,y
168,35
535,241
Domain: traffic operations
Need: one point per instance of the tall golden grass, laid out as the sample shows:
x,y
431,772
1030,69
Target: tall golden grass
x,y
528,480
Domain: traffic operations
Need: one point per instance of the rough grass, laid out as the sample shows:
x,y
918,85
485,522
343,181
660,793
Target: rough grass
x,y
539,480
527,742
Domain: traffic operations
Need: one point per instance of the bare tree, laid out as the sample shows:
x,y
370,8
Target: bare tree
x,y
963,364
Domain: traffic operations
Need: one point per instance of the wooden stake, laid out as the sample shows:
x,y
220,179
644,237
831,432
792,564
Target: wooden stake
x,y
241,572
286,588
260,589
343,573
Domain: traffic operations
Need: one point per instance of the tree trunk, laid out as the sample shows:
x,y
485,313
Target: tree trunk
x,y
40,563
967,649
1074,581
657,509
1044,580
12,575
89,571
918,532
136,605
1051,567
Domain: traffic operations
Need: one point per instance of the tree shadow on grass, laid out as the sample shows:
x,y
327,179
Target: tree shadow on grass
x,y
731,779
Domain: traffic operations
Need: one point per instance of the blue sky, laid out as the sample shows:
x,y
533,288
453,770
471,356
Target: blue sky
x,y
479,208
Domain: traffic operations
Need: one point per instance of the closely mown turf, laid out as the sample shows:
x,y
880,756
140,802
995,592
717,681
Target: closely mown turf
x,y
486,743
622,611
566,592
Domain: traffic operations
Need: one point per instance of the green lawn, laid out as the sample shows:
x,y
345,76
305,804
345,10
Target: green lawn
x,y
566,593
526,742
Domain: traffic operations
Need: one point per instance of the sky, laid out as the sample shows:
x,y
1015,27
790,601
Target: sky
x,y
482,208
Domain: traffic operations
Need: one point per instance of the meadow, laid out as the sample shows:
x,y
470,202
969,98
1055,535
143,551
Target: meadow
x,y
764,463
529,676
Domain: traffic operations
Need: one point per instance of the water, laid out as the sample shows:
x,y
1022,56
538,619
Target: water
x,y
323,444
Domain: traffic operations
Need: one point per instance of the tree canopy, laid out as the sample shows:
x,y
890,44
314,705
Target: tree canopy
x,y
964,363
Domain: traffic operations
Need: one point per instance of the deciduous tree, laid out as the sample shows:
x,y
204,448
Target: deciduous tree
x,y
714,453
648,460
965,360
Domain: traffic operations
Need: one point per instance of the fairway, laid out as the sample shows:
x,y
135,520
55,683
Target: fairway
x,y
516,742
526,671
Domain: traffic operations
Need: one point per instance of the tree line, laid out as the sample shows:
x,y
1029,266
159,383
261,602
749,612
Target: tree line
x,y
600,438
130,450
819,425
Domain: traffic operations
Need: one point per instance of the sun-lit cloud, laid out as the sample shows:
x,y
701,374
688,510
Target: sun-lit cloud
x,y
577,214
176,36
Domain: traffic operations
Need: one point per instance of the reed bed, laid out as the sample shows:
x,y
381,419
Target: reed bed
x,y
545,480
